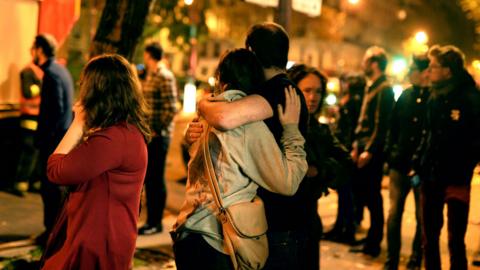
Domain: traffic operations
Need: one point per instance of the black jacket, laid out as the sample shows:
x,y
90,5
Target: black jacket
x,y
406,126
451,148
374,117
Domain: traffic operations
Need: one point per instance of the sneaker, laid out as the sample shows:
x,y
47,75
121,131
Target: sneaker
x,y
149,229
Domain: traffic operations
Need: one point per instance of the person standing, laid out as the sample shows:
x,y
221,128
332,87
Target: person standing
x,y
404,138
329,162
160,91
30,82
368,147
103,160
54,118
448,155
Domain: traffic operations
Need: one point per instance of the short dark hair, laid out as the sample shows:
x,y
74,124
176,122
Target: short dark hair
x,y
270,43
47,43
240,69
155,50
378,55
299,71
110,93
450,57
420,61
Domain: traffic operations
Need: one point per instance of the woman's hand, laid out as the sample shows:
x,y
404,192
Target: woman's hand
x,y
79,114
194,131
291,114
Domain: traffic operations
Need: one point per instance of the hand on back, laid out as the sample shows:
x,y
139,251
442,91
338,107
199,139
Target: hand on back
x,y
291,113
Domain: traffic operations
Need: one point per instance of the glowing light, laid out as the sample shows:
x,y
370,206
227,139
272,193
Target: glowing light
x,y
353,2
189,98
211,81
402,14
421,37
476,64
331,99
188,2
290,64
397,91
399,66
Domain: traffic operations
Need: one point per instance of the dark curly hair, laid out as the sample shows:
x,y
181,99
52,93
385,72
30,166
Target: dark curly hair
x,y
110,93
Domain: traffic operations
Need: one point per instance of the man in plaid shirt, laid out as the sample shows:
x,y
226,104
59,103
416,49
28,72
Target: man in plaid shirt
x,y
160,91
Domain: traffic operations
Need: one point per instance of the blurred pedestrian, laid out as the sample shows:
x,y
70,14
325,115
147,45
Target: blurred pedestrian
x,y
329,162
449,154
30,83
369,144
54,118
270,43
404,138
244,158
103,159
343,230
160,91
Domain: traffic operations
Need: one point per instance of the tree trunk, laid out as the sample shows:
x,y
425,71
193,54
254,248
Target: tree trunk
x,y
120,27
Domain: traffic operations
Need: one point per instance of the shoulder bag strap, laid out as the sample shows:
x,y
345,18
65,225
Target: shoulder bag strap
x,y
210,172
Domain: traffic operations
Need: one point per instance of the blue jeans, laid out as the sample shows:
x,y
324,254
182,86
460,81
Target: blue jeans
x,y
399,188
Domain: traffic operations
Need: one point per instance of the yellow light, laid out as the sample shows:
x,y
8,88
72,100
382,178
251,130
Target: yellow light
x,y
211,81
421,37
189,98
476,64
188,2
353,2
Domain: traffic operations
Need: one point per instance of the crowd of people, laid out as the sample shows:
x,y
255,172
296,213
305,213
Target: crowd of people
x,y
261,126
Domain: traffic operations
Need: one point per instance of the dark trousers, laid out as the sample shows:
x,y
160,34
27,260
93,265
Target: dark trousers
x,y
345,224
366,191
52,194
27,162
457,198
194,253
400,186
155,188
286,250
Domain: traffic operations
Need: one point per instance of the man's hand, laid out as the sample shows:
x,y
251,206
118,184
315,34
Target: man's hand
x,y
194,131
291,114
364,159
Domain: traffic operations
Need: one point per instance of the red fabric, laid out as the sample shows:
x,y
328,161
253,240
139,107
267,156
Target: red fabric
x,y
100,215
57,17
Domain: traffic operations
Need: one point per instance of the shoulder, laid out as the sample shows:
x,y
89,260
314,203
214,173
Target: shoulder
x,y
165,74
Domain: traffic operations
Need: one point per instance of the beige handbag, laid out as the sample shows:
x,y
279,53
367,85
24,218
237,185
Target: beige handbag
x,y
244,224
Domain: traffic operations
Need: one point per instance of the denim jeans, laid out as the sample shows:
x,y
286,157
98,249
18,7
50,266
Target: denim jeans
x,y
400,186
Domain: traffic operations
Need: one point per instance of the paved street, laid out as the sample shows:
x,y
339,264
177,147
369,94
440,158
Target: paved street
x,y
22,217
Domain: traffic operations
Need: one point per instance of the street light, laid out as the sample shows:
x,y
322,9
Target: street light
x,y
188,2
353,2
421,37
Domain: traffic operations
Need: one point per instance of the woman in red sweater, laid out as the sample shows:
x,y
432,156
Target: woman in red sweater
x,y
102,159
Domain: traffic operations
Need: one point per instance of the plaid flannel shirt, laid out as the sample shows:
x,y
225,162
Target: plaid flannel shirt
x,y
160,92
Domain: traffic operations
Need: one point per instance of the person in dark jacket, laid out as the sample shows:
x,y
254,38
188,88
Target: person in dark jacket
x,y
368,147
350,104
54,119
404,137
448,155
329,162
